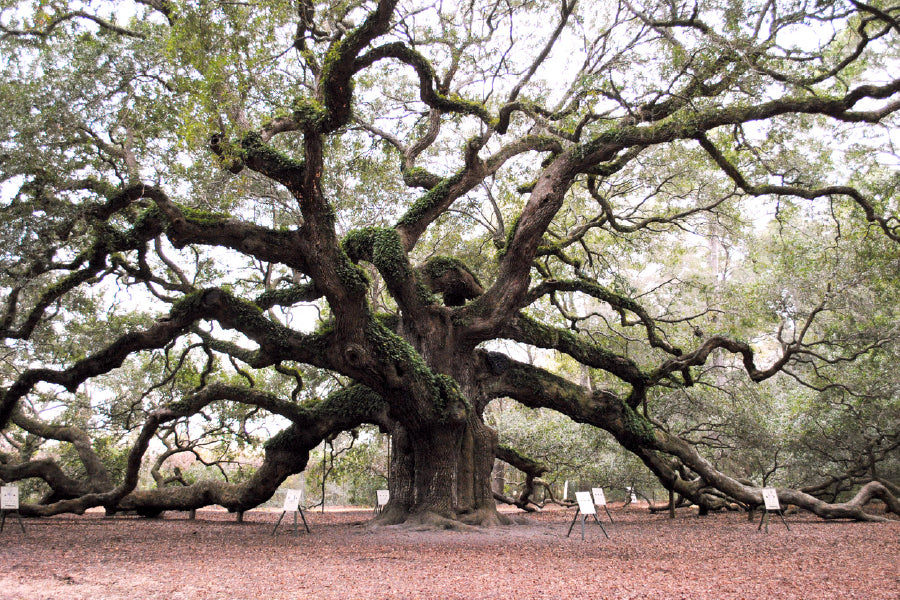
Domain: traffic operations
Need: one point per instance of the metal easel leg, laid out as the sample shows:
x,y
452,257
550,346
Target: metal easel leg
x,y
279,522
602,528
304,520
577,512
764,519
3,515
780,514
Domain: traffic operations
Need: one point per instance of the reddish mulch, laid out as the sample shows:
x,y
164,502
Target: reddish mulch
x,y
647,556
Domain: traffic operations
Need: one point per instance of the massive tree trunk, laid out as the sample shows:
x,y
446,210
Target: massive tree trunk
x,y
441,468
441,475
441,472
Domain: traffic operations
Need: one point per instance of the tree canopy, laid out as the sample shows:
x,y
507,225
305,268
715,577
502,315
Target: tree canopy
x,y
258,225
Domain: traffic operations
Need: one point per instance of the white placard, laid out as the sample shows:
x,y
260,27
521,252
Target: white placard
x,y
9,497
770,497
585,503
599,496
292,500
566,491
383,496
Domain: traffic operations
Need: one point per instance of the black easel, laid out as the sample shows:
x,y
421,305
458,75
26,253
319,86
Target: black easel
x,y
588,501
5,512
284,512
771,505
9,504
765,519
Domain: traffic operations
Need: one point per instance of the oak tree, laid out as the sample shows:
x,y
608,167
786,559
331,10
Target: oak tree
x,y
216,213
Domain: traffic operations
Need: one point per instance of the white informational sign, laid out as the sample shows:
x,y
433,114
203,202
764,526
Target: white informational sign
x,y
566,491
585,503
292,500
383,497
599,496
9,497
770,497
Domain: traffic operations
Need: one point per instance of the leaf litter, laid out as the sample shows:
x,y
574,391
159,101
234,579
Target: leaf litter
x,y
720,556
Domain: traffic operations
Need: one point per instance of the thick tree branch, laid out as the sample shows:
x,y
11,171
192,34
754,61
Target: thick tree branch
x,y
617,302
427,81
97,473
529,331
335,91
889,225
533,471
286,453
537,388
59,19
444,193
187,226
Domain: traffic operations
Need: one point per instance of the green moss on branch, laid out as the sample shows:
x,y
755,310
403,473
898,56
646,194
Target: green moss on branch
x,y
438,266
203,217
382,247
637,426
308,112
445,394
354,278
429,201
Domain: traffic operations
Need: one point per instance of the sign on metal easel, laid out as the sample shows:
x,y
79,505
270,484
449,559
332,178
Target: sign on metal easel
x,y
632,497
600,500
9,504
772,505
585,507
292,505
382,497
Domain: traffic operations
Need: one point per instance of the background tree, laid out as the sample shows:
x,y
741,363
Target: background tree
x,y
318,216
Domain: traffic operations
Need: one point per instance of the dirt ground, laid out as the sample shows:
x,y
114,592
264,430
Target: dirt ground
x,y
646,556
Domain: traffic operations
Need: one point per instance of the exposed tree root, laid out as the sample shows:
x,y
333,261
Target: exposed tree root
x,y
397,517
423,521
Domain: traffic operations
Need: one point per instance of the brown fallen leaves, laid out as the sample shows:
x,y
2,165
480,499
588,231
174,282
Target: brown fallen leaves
x,y
721,556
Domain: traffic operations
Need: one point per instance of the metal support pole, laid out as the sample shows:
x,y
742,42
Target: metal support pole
x,y
765,519
577,512
284,512
302,516
583,519
602,528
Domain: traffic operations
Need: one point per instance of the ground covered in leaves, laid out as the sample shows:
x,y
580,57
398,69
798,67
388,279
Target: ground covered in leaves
x,y
647,556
